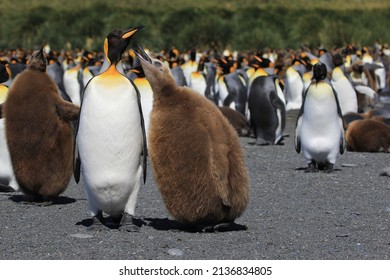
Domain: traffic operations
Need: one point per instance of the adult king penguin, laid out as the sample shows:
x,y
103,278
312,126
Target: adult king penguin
x,y
39,132
195,153
319,131
111,139
8,181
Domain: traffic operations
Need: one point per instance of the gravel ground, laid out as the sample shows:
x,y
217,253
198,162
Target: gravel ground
x,y
291,215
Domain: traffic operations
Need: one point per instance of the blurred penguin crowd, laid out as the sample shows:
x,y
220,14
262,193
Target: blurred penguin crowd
x,y
226,77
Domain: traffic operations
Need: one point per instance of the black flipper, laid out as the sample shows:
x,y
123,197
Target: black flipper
x,y
144,146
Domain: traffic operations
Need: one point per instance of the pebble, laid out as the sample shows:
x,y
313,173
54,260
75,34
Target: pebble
x,y
175,252
81,235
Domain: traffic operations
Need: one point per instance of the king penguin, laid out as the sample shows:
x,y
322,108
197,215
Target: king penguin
x,y
267,108
319,130
39,132
8,181
294,89
345,92
111,139
196,155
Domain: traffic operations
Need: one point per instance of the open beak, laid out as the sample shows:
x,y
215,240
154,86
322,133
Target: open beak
x,y
142,55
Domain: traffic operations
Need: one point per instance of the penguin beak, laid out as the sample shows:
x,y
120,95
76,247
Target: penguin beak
x,y
142,55
128,33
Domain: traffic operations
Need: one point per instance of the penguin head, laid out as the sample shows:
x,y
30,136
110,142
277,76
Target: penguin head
x,y
156,71
37,61
116,43
319,71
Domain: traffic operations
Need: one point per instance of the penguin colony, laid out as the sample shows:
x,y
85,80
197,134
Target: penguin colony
x,y
190,108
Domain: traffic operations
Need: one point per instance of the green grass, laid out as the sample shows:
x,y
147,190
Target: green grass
x,y
239,25
161,5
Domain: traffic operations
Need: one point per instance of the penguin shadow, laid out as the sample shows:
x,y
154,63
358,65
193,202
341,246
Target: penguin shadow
x,y
28,200
108,223
166,224
305,170
261,142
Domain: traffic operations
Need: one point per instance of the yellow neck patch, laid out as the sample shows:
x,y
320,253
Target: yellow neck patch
x,y
106,49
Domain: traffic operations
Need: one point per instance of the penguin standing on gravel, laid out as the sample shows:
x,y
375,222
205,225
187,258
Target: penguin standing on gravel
x,y
319,131
39,132
111,139
196,154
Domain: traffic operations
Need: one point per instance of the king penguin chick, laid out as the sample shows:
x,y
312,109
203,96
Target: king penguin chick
x,y
111,139
39,132
196,155
319,131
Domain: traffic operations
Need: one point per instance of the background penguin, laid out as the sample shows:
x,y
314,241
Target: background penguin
x,y
175,64
145,90
237,120
232,91
368,135
189,66
111,139
73,84
267,109
39,133
76,78
319,131
196,154
346,94
294,89
197,79
8,181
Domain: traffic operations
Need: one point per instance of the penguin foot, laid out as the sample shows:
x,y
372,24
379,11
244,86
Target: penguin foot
x,y
7,189
312,168
259,142
127,223
222,227
328,167
97,223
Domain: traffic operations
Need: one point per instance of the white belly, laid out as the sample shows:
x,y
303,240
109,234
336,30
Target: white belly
x,y
321,129
7,176
110,144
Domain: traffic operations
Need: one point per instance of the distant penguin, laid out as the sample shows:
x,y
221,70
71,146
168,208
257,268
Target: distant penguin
x,y
345,92
319,131
111,139
196,155
73,84
56,72
178,74
232,91
39,132
191,65
146,93
211,73
368,135
306,78
8,181
197,79
267,108
294,89
5,75
237,120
